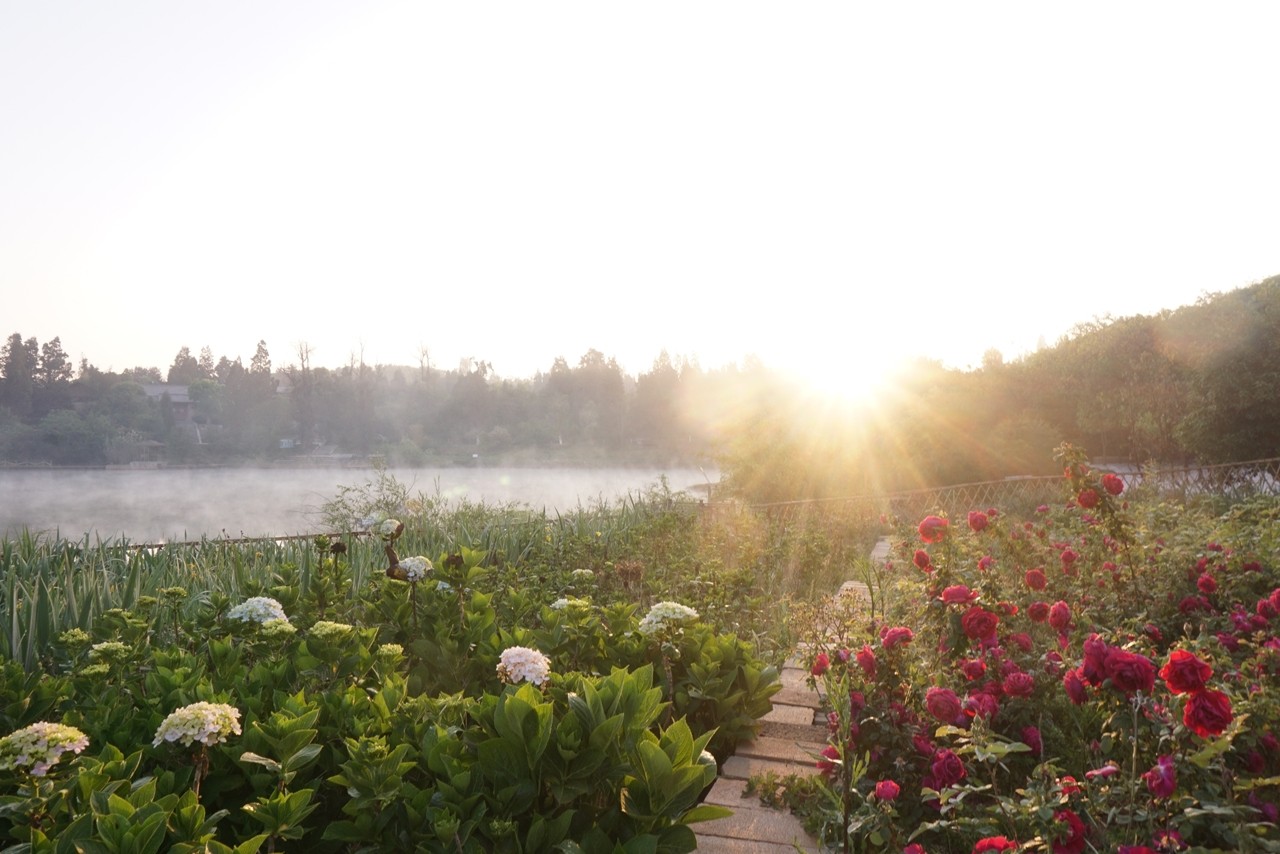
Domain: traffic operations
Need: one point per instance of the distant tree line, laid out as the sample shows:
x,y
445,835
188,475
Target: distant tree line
x,y
1200,383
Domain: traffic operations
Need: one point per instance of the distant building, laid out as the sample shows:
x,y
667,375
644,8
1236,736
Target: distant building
x,y
180,405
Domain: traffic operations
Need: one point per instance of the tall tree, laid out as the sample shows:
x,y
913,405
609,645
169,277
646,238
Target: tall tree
x,y
185,369
18,367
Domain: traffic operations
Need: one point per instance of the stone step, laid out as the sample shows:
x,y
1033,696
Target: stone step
x,y
755,825
798,697
796,733
781,750
795,715
745,767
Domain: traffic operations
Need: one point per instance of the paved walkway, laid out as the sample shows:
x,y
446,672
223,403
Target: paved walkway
x,y
790,738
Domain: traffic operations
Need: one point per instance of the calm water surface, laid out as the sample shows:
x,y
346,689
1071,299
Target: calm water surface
x,y
189,503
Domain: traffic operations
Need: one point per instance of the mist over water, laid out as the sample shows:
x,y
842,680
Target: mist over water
x,y
172,504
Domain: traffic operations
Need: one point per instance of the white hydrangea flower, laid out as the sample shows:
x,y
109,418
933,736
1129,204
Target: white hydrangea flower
x,y
258,609
522,664
570,603
391,651
207,723
326,630
582,575
39,747
664,616
415,568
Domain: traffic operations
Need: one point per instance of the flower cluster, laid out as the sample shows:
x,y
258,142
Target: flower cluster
x,y
415,568
382,525
38,747
522,664
329,631
258,609
582,575
278,629
571,603
207,723
666,616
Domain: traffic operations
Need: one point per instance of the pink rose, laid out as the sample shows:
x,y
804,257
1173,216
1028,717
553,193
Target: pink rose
x,y
1162,780
977,520
1035,579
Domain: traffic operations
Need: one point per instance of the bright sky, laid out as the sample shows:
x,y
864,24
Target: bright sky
x,y
828,186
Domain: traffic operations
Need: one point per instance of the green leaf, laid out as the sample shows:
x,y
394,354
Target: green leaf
x,y
706,812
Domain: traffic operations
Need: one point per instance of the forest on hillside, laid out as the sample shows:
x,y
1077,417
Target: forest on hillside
x,y
1196,384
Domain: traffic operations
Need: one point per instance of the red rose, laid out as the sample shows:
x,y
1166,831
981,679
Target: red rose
x,y
1184,672
1093,668
1019,684
887,790
1088,498
980,704
914,848
867,661
1128,671
1060,615
932,529
1068,558
1207,584
973,669
1038,611
897,636
921,559
1074,686
979,623
943,704
1207,713
1021,640
977,520
1031,738
958,594
1112,484
1072,841
821,663
994,843
1035,579
830,758
1162,780
947,769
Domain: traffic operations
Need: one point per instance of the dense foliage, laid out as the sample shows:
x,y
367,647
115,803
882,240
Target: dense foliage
x,y
1199,383
523,682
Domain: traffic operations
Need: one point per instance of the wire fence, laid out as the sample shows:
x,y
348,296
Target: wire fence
x,y
1230,481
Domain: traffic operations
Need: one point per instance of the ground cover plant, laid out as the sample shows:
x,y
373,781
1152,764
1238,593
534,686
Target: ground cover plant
x,y
462,678
1100,675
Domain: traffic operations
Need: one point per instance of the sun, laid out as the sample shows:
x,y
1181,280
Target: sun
x,y
846,380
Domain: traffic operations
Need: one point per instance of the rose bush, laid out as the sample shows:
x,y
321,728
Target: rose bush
x,y
1003,701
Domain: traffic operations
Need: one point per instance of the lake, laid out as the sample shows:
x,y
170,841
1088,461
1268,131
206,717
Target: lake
x,y
174,503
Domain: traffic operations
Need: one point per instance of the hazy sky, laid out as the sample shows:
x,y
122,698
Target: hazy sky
x,y
824,185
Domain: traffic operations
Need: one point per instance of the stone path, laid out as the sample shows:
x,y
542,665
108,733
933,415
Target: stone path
x,y
790,738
